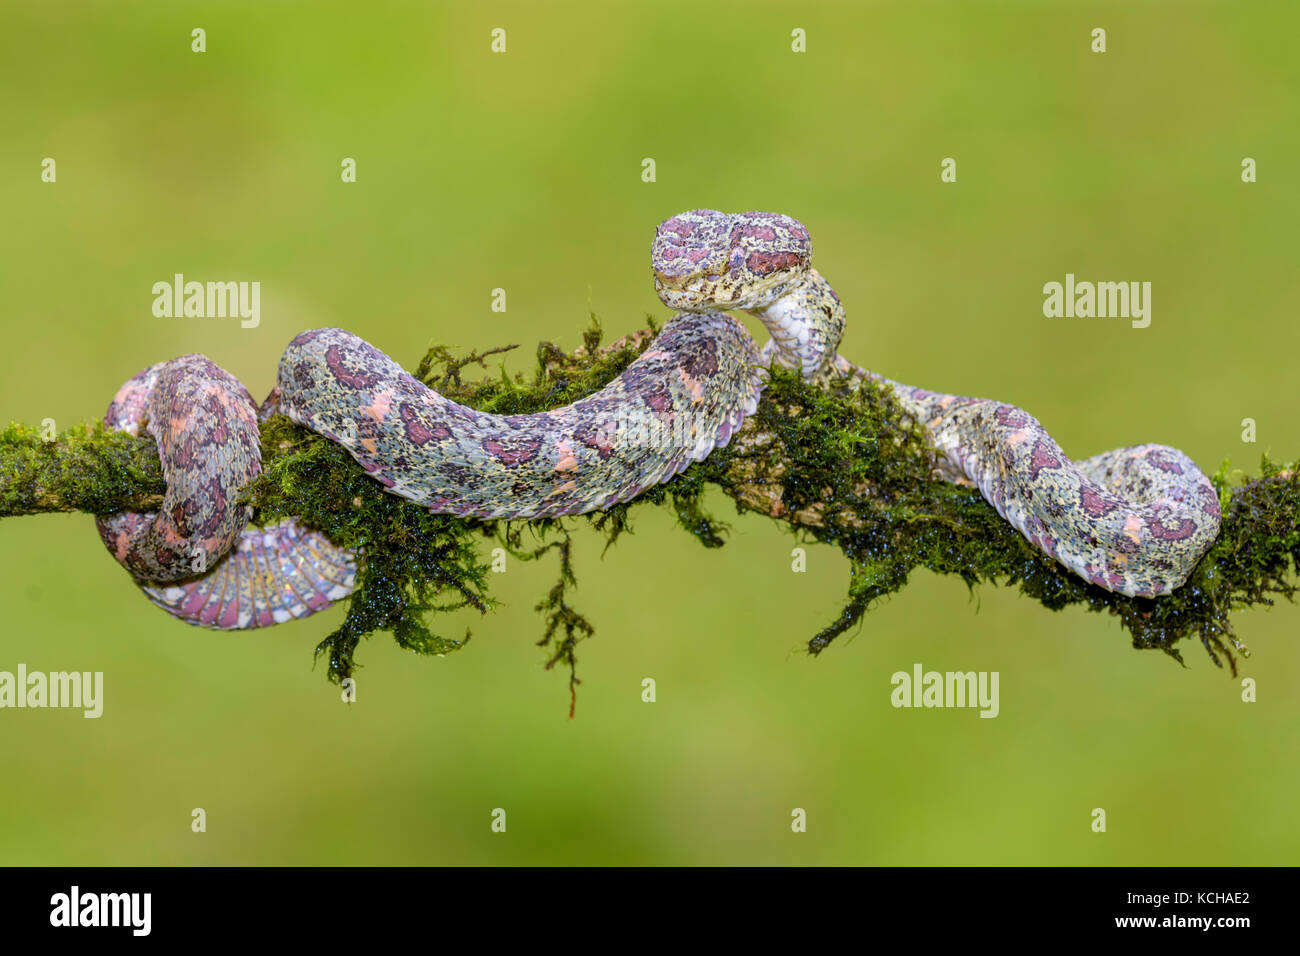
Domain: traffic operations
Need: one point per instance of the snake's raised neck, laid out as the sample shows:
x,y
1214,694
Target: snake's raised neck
x,y
1133,520
760,263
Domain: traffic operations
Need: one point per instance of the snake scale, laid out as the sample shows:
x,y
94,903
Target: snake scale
x,y
1134,520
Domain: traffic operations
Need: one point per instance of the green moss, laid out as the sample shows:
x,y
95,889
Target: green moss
x,y
851,457
858,449
415,564
86,468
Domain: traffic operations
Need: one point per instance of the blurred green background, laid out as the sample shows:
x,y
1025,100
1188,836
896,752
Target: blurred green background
x,y
523,171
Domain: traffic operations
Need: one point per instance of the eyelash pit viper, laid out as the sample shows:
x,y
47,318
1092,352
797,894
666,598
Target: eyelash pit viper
x,y
1134,520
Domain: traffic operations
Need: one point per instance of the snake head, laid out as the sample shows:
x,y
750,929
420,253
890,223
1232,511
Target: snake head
x,y
705,259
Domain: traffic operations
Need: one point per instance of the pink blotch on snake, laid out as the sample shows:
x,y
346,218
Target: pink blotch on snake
x,y
1134,520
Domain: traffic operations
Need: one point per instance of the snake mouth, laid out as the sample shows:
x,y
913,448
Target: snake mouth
x,y
695,280
719,291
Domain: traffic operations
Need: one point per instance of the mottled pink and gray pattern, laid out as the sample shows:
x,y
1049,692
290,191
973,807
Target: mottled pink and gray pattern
x,y
195,557
1135,520
205,424
681,398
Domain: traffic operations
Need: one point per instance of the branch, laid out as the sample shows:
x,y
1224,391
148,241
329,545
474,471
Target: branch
x,y
846,468
85,469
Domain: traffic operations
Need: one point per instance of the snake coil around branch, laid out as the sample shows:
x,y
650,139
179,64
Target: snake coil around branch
x,y
1132,523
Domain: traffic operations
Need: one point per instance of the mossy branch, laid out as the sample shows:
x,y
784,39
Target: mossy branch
x,y
844,468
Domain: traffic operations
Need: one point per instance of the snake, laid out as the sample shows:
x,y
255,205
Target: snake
x,y
1134,520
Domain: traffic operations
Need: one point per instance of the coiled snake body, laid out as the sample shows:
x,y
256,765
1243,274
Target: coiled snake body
x,y
1134,520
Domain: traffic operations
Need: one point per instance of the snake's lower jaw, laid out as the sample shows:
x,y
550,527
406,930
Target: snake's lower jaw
x,y
1133,520
715,293
686,296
